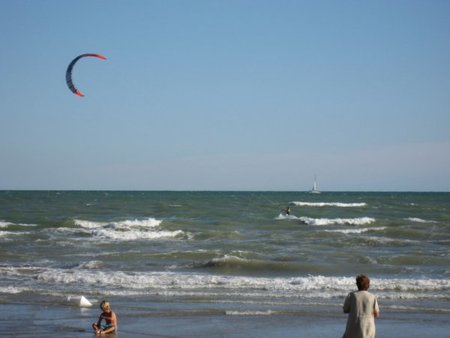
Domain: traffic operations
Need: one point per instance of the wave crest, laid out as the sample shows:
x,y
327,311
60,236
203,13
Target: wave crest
x,y
128,230
329,204
146,223
337,221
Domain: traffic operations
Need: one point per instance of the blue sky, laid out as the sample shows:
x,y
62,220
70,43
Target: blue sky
x,y
226,95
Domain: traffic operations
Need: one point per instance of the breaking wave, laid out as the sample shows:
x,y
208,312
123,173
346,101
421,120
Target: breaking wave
x,y
338,221
329,204
126,230
356,231
148,223
192,284
328,221
419,220
4,224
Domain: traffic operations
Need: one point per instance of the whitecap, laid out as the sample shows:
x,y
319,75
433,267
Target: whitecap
x,y
6,234
132,235
169,283
248,313
4,224
338,221
91,265
330,204
89,224
147,223
419,220
126,230
12,289
356,231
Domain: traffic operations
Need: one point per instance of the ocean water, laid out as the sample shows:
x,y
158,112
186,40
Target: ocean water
x,y
233,253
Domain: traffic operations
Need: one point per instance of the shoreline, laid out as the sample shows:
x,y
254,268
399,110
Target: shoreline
x,y
56,320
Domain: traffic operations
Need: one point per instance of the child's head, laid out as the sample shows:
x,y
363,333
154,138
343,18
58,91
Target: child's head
x,y
105,306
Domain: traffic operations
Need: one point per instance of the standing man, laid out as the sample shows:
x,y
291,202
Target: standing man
x,y
362,308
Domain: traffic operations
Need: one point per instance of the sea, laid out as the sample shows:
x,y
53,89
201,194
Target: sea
x,y
228,253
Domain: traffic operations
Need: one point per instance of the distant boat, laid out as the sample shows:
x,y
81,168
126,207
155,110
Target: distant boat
x,y
314,189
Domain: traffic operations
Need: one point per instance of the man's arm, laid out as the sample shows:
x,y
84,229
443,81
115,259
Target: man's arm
x,y
346,306
376,309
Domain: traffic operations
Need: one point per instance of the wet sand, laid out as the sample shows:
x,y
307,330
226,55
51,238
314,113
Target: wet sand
x,y
22,320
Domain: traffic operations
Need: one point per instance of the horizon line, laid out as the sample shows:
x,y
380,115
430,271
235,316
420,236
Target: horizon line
x,y
224,190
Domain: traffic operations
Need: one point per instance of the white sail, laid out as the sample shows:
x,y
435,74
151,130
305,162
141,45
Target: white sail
x,y
314,189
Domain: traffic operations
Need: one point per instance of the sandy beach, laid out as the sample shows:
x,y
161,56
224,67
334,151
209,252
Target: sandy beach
x,y
70,321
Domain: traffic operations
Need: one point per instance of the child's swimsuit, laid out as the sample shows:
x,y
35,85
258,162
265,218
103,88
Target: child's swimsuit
x,y
105,326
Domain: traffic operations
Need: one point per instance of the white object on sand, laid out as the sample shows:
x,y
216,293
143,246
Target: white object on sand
x,y
81,301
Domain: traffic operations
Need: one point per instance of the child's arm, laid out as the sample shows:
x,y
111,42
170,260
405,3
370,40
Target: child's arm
x,y
99,321
113,323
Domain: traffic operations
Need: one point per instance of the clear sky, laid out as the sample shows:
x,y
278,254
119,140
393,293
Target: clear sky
x,y
226,95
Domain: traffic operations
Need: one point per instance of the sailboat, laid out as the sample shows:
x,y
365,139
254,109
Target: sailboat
x,y
314,189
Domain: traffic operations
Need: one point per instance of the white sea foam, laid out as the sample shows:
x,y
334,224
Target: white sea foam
x,y
218,288
338,221
132,235
89,224
112,234
330,204
356,231
419,220
6,234
328,221
284,216
148,223
387,240
227,259
12,289
91,265
4,224
320,286
248,313
418,309
126,230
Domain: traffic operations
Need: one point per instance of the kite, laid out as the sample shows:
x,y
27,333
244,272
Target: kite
x,y
69,71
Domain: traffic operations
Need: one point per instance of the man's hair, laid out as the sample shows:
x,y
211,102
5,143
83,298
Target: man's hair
x,y
363,282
